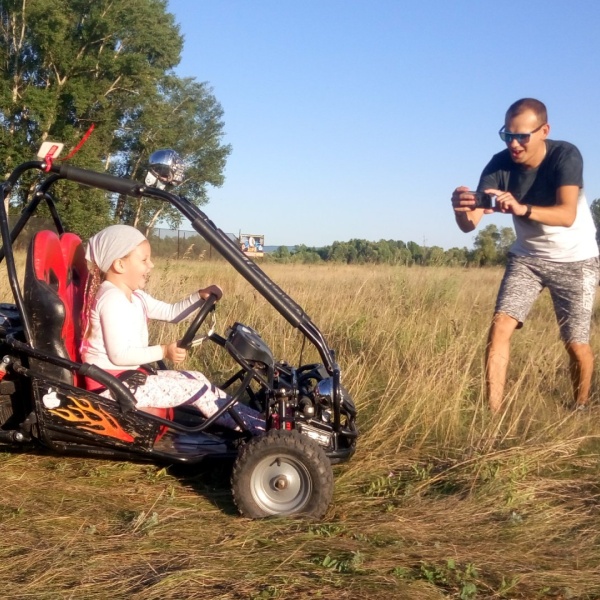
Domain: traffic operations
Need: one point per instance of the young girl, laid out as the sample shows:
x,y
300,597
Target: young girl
x,y
115,327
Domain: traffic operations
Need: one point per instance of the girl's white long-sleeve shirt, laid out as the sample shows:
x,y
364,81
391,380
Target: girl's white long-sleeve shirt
x,y
118,338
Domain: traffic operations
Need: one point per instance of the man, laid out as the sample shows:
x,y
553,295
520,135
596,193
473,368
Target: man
x,y
540,183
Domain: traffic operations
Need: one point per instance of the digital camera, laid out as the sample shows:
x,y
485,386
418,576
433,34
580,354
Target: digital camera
x,y
483,200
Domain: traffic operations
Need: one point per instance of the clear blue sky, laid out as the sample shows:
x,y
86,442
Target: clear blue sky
x,y
357,118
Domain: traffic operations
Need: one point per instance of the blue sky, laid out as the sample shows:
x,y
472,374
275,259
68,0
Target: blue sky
x,y
357,118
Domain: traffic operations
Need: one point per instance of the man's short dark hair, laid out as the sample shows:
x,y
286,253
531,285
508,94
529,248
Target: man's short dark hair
x,y
520,106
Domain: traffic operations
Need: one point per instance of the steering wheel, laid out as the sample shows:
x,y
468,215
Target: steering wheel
x,y
188,337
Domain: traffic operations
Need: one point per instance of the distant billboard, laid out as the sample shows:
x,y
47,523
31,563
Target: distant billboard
x,y
252,245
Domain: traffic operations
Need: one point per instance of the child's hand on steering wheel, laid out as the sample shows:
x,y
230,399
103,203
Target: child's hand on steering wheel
x,y
174,353
215,290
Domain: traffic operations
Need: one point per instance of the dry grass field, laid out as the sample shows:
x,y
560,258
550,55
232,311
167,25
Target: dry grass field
x,y
440,501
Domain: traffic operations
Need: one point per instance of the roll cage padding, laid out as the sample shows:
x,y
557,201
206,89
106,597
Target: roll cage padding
x,y
55,277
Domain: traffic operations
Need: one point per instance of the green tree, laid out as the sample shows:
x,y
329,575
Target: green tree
x,y
304,254
282,254
68,64
491,245
486,245
507,239
417,252
435,256
385,251
338,252
184,115
457,256
403,256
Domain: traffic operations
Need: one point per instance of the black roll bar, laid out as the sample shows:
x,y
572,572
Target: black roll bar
x,y
104,181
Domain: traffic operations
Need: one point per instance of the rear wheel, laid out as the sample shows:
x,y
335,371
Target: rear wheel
x,y
282,473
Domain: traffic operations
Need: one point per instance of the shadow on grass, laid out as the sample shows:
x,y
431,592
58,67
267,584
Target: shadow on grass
x,y
210,479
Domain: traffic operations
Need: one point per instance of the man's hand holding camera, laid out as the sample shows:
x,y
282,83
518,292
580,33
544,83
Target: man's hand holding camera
x,y
465,200
491,200
507,203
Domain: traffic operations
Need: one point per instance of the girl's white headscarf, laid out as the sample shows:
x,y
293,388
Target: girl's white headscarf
x,y
113,242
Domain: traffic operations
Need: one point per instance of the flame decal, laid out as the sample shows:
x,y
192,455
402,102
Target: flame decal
x,y
93,419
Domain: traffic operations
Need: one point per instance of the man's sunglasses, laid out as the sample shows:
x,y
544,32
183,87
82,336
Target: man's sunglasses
x,y
521,138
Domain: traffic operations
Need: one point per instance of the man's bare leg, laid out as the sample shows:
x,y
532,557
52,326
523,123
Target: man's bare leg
x,y
582,366
497,357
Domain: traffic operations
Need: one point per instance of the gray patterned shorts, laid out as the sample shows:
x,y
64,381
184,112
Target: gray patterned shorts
x,y
572,287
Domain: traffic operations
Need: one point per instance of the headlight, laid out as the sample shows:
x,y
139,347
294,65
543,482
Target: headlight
x,y
324,395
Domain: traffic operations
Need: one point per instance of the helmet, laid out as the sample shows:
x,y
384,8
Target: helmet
x,y
165,167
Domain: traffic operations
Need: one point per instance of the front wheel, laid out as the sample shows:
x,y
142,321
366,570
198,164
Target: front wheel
x,y
282,473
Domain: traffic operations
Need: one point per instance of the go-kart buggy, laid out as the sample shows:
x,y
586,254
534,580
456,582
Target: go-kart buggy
x,y
310,417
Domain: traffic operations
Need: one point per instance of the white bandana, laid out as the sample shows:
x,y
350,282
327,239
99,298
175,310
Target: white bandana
x,y
113,242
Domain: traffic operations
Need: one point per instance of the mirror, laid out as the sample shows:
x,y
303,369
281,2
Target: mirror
x,y
165,168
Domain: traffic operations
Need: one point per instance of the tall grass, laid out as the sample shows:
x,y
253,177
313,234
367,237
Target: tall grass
x,y
411,344
440,500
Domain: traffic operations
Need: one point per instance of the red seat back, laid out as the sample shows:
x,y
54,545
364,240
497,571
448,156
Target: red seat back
x,y
55,276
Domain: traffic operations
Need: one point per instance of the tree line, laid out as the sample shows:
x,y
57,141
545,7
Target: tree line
x,y
490,248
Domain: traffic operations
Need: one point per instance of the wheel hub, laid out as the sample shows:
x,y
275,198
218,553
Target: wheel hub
x,y
281,483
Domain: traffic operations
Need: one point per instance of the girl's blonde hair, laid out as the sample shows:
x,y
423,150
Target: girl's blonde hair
x,y
94,280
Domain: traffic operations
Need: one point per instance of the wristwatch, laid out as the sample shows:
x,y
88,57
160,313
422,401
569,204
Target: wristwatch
x,y
527,212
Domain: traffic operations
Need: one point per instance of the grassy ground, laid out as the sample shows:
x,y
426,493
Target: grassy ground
x,y
440,501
